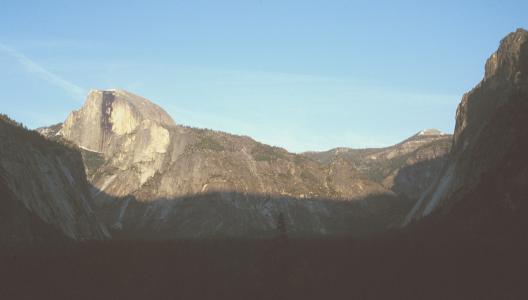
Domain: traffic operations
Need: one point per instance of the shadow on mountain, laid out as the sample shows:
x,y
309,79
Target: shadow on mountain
x,y
477,251
228,214
442,257
414,179
20,228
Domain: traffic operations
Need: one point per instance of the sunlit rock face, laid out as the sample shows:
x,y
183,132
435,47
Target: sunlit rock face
x,y
490,129
128,131
148,173
107,116
43,185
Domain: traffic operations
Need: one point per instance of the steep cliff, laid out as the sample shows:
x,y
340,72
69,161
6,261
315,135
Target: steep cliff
x,y
489,139
43,182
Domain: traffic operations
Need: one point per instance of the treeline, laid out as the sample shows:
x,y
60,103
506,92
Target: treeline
x,y
19,130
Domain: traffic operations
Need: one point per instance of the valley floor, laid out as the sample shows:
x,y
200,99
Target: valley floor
x,y
392,267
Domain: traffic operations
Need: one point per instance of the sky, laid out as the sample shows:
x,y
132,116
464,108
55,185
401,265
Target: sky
x,y
303,75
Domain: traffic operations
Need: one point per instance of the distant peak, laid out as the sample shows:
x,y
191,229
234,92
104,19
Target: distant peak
x,y
428,132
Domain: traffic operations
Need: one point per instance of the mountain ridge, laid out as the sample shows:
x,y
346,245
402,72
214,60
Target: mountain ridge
x,y
129,156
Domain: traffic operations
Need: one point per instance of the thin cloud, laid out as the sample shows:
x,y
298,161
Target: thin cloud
x,y
34,68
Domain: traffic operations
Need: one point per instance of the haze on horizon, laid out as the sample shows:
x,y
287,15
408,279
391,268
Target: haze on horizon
x,y
303,75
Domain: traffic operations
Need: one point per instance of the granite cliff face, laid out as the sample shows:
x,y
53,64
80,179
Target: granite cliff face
x,y
107,116
44,188
486,160
129,132
153,175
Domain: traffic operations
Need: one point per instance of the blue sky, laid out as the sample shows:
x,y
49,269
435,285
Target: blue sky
x,y
304,75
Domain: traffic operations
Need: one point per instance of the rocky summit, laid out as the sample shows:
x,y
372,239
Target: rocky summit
x,y
152,175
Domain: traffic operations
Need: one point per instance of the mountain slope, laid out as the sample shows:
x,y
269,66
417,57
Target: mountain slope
x,y
489,140
140,148
153,175
20,226
44,182
407,168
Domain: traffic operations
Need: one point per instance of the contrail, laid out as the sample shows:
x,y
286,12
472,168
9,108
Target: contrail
x,y
34,68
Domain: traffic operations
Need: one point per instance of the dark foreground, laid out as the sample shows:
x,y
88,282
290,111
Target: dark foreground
x,y
397,266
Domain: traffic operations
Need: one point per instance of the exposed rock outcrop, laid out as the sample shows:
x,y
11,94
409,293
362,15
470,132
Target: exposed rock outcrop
x,y
107,116
129,132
